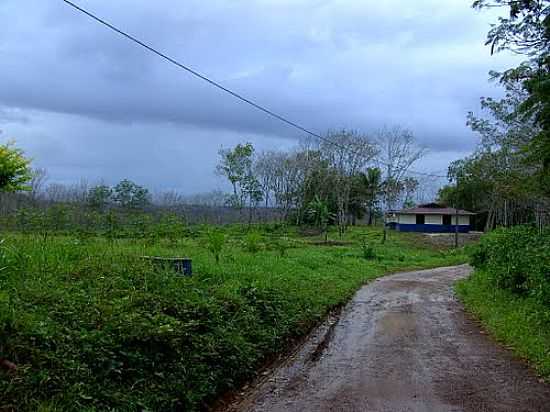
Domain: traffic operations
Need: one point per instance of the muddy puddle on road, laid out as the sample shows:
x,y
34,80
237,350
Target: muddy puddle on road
x,y
402,344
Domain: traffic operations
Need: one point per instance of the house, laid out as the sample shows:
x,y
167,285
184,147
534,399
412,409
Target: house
x,y
429,218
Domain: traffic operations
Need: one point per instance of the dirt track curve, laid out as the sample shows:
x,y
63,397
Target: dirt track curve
x,y
402,344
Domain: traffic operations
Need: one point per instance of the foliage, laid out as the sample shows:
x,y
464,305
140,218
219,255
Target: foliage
x,y
518,321
365,195
92,327
253,242
320,214
516,260
237,166
100,196
282,244
339,169
526,30
367,249
497,178
215,243
14,169
129,195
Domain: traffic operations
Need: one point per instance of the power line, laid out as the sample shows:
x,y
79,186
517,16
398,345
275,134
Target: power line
x,y
214,83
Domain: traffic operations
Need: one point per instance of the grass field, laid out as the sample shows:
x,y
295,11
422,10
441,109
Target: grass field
x,y
90,325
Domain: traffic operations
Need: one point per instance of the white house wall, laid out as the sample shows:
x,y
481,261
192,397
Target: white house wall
x,y
407,219
430,219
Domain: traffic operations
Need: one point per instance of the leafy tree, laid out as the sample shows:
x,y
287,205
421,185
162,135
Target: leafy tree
x,y
499,179
99,196
237,165
347,152
526,30
373,190
321,215
15,172
130,195
366,192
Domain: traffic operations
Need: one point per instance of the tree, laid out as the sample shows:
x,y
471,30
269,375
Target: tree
x,y
15,172
373,186
526,30
237,166
365,194
410,185
399,152
498,180
99,196
37,182
320,214
347,153
130,195
264,168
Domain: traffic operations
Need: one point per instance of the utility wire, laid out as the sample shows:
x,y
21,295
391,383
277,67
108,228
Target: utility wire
x,y
216,84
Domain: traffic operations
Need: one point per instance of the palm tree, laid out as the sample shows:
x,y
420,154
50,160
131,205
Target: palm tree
x,y
321,215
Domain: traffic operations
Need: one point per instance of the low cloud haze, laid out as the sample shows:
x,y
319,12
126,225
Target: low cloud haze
x,y
85,102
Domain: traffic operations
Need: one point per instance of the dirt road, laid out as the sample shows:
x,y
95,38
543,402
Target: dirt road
x,y
402,344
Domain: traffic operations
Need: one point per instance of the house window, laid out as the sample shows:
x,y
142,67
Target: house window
x,y
420,219
447,220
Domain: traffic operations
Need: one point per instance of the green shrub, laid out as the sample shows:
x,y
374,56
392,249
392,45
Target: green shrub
x,y
367,249
253,242
215,242
281,244
516,259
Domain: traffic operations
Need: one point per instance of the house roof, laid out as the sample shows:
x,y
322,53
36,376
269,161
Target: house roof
x,y
432,211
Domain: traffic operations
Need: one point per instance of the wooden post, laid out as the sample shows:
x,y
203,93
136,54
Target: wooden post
x,y
385,229
456,228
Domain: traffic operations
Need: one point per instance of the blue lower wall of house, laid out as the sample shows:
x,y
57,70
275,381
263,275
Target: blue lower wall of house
x,y
430,228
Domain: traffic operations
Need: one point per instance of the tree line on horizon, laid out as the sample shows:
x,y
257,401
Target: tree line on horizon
x,y
350,175
343,178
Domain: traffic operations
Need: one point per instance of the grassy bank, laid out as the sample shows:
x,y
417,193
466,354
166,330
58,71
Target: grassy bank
x,y
92,326
518,322
510,291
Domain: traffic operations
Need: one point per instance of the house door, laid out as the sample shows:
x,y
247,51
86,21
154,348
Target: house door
x,y
447,220
420,219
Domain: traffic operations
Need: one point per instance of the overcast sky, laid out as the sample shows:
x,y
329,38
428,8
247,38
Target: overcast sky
x,y
84,102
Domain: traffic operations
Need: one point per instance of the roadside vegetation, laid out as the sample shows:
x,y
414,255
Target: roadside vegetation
x,y
87,324
507,182
510,291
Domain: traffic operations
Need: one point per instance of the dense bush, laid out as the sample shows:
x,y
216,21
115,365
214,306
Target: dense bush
x,y
516,259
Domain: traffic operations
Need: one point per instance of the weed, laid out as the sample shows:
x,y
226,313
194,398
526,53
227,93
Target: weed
x,y
253,242
282,244
215,243
367,250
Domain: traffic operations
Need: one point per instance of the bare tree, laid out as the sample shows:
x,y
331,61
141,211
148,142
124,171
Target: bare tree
x,y
37,183
399,152
265,167
348,153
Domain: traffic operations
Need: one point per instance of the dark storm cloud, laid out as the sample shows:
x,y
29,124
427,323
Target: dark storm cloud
x,y
326,64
